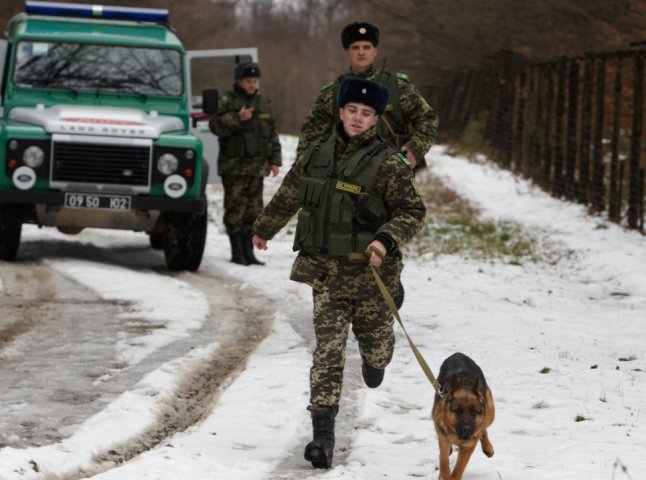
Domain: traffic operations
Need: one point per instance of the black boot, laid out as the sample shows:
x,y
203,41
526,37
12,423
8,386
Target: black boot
x,y
247,251
319,451
371,375
237,254
399,298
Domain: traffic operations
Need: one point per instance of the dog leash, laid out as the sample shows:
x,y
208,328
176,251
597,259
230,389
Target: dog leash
x,y
393,308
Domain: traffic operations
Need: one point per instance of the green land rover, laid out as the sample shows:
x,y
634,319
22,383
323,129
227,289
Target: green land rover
x,y
96,129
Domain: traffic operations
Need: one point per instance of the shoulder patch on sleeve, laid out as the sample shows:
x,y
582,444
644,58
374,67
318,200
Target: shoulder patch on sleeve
x,y
402,76
403,158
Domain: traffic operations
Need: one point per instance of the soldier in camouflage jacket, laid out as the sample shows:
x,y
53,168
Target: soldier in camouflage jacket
x,y
352,192
409,122
249,151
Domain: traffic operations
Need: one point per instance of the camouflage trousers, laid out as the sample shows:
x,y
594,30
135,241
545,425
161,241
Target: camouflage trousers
x,y
372,325
242,202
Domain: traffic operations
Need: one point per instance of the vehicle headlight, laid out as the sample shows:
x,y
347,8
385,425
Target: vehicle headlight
x,y
167,163
33,156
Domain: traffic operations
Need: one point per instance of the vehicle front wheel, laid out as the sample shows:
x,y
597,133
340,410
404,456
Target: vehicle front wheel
x,y
156,240
10,230
184,240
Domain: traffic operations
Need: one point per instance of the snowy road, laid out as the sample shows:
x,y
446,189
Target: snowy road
x,y
85,318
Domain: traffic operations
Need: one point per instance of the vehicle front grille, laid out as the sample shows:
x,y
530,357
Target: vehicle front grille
x,y
91,163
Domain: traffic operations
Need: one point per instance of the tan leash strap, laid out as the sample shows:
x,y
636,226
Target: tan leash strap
x,y
416,352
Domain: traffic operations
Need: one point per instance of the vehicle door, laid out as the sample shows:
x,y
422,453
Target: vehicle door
x,y
211,69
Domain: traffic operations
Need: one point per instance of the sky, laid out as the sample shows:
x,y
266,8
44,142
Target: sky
x,y
560,341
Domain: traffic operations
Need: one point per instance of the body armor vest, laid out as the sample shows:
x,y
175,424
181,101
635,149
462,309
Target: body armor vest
x,y
340,210
392,125
254,136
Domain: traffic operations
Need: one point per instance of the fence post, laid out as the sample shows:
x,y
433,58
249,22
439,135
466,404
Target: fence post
x,y
548,128
530,122
586,127
615,183
572,117
559,157
507,117
457,98
519,118
535,145
634,200
642,180
598,200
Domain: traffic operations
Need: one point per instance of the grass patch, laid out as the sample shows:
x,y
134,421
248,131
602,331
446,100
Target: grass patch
x,y
454,227
479,239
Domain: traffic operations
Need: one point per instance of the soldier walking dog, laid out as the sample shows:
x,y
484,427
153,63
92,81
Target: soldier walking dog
x,y
352,192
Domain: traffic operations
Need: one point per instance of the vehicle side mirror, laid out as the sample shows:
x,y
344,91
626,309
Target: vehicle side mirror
x,y
210,100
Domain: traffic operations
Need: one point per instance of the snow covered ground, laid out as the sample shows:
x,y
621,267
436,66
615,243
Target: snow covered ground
x,y
562,346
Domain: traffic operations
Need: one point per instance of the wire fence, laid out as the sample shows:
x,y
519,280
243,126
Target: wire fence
x,y
574,126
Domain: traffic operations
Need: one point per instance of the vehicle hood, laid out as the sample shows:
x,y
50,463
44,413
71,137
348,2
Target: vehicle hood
x,y
97,120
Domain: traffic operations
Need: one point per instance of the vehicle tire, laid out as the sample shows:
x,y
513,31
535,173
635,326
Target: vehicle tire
x,y
10,230
156,240
184,240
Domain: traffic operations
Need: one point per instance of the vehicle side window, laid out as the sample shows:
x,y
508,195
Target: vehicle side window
x,y
5,53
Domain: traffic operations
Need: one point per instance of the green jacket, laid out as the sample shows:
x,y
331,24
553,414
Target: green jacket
x,y
407,114
246,148
394,186
340,211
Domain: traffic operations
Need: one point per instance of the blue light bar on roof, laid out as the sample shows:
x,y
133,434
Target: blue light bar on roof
x,y
157,15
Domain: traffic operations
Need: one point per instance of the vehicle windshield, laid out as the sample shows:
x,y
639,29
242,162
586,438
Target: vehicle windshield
x,y
96,68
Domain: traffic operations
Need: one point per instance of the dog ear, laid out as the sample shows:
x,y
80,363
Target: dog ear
x,y
477,387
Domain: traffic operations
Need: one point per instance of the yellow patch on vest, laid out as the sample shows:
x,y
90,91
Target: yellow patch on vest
x,y
390,107
348,187
264,116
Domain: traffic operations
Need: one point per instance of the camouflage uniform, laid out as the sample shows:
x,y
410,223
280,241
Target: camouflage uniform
x,y
420,118
345,292
247,149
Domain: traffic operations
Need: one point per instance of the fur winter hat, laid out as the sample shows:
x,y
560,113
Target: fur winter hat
x,y
360,90
246,69
360,31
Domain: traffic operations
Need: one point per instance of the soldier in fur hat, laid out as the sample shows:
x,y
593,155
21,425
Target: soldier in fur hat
x,y
249,151
353,194
409,123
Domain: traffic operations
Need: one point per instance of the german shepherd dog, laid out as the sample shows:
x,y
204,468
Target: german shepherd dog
x,y
461,418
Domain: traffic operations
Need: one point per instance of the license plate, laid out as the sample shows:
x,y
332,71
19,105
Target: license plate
x,y
91,200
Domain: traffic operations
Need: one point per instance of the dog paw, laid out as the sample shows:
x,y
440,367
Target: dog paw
x,y
488,451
